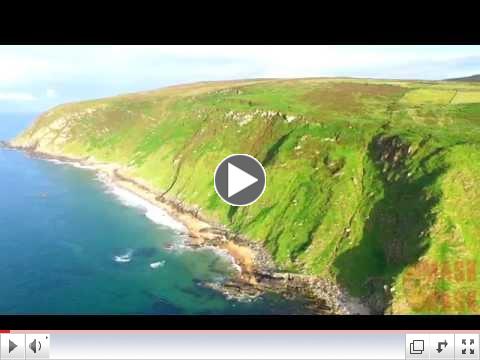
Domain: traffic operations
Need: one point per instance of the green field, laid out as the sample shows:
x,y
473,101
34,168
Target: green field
x,y
374,184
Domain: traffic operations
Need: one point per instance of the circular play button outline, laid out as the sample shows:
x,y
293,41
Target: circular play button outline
x,y
245,193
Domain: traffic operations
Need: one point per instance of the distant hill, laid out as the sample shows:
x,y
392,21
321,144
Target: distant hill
x,y
467,78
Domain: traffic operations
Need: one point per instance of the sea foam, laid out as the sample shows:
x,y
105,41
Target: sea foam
x,y
152,212
157,264
124,258
128,198
75,164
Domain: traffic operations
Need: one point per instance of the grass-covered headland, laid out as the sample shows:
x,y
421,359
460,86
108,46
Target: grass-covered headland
x,y
373,184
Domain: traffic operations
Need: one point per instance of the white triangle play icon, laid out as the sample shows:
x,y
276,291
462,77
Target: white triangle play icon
x,y
238,180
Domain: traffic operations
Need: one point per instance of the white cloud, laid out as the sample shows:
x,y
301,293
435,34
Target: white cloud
x,y
90,65
51,93
20,69
298,60
16,96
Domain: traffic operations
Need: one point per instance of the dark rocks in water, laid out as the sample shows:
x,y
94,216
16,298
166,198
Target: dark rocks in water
x,y
234,290
197,281
200,292
195,246
318,296
169,247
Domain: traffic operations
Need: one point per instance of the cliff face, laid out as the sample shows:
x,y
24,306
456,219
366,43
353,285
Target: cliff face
x,y
374,184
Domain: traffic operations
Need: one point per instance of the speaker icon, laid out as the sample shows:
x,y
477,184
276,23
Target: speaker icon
x,y
35,346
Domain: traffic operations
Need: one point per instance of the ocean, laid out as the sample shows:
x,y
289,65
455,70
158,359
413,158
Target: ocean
x,y
72,244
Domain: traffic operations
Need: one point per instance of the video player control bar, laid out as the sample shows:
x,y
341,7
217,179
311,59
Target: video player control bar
x,y
24,346
442,346
236,345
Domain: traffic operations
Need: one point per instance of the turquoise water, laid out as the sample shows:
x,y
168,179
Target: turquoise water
x,y
61,230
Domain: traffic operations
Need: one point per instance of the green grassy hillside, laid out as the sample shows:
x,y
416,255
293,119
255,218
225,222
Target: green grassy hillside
x,y
372,183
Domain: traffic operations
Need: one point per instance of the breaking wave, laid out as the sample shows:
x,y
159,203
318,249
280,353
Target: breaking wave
x,y
151,211
127,257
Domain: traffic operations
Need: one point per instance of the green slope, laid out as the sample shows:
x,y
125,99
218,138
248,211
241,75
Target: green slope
x,y
371,183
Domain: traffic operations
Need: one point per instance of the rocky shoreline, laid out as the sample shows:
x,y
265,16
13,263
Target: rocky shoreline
x,y
258,273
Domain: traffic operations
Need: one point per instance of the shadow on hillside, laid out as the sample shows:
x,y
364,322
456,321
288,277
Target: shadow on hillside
x,y
274,149
394,236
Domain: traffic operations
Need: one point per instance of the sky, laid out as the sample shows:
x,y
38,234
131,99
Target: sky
x,y
35,78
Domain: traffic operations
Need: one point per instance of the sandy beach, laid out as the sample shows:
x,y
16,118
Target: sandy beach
x,y
200,233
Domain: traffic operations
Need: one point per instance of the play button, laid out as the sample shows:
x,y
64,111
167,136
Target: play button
x,y
11,346
239,179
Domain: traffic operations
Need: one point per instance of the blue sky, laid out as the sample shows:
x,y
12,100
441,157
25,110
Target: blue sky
x,y
35,78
